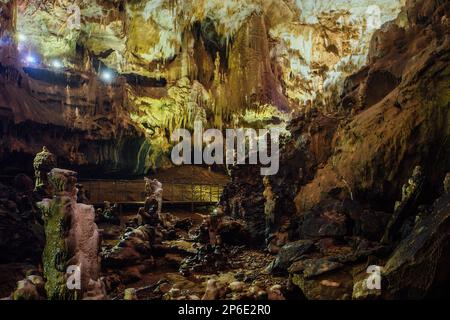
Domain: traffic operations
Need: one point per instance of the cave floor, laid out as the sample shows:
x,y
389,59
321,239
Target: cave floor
x,y
164,280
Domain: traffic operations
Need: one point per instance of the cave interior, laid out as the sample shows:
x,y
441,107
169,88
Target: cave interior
x,y
224,149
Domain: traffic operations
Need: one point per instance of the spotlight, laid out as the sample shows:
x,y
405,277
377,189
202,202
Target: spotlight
x,y
107,76
21,37
57,64
31,59
4,41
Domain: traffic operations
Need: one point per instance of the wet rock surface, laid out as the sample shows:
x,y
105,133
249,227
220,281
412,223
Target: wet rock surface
x,y
289,253
186,256
11,273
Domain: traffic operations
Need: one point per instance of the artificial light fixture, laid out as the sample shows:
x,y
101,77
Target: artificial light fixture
x,y
57,64
31,59
5,41
21,37
107,76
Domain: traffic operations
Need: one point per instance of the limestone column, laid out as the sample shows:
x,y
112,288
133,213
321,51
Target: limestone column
x,y
71,255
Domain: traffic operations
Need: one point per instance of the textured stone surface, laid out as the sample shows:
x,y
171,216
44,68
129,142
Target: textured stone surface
x,y
72,241
219,62
367,105
289,253
418,267
376,150
21,228
349,171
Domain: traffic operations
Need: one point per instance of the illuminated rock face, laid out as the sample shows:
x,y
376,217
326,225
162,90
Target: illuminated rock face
x,y
344,170
311,42
392,116
400,102
176,61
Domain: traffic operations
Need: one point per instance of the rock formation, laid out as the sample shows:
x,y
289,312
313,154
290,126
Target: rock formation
x,y
401,117
43,163
244,62
71,255
418,266
154,197
133,252
359,208
344,170
31,288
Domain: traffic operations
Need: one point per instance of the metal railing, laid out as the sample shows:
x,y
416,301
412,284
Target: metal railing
x,y
133,191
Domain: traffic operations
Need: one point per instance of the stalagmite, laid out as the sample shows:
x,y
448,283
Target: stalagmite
x,y
43,163
71,256
282,133
153,192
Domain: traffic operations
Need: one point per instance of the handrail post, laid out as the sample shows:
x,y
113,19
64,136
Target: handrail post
x,y
192,197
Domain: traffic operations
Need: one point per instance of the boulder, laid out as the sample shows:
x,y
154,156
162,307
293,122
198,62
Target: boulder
x,y
371,224
232,231
320,224
337,285
289,253
43,163
130,294
236,286
214,290
418,268
133,248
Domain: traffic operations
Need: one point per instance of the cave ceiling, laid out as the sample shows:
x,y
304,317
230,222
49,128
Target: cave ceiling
x,y
171,62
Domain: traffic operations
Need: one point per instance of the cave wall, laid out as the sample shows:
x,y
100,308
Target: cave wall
x,y
399,124
173,62
393,114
